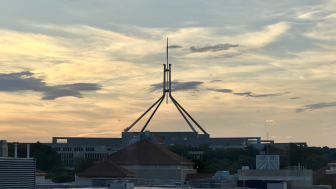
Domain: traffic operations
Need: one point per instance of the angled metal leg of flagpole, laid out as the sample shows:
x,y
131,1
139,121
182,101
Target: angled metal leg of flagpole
x,y
150,118
136,121
173,100
191,118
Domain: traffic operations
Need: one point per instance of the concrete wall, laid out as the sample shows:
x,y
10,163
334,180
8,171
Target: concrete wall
x,y
3,148
164,172
39,179
42,180
83,179
312,187
297,177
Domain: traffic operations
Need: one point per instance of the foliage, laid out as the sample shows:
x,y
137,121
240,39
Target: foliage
x,y
180,149
60,175
46,157
232,159
81,164
47,160
312,157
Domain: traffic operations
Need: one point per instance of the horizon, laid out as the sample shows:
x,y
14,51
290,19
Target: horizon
x,y
90,69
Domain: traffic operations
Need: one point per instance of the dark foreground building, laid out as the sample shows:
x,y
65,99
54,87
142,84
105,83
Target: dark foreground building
x,y
144,159
326,175
17,173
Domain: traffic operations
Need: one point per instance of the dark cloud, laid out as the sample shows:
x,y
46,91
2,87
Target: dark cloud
x,y
228,55
299,110
21,81
194,85
243,94
213,81
25,81
316,106
295,98
221,90
219,47
178,86
266,95
174,46
249,94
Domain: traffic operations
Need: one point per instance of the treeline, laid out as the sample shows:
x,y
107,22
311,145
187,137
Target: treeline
x,y
49,161
232,159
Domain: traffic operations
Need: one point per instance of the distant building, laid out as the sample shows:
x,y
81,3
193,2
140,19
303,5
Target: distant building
x,y
296,177
269,175
70,148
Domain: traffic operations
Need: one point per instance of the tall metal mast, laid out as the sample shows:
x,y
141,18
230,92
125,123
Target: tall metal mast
x,y
167,89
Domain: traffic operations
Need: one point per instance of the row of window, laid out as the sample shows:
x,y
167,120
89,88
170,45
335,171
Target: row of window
x,y
178,138
76,149
95,155
67,159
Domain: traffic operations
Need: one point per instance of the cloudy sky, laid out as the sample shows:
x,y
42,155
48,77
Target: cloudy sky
x,y
240,68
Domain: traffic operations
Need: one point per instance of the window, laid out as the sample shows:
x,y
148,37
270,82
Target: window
x,y
66,149
57,149
89,149
62,141
95,155
67,159
78,149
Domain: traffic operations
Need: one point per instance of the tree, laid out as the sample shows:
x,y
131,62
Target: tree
x,y
81,164
251,151
204,147
47,160
46,157
180,149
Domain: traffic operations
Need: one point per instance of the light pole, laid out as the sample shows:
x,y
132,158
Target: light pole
x,y
242,174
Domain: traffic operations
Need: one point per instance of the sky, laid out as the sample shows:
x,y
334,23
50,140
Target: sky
x,y
240,68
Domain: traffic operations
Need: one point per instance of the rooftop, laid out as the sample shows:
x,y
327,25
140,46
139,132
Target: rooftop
x,y
106,169
146,152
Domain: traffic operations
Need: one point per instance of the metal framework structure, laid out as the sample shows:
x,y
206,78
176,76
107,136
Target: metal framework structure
x,y
167,93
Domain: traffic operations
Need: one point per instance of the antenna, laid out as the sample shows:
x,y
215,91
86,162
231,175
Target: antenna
x,y
167,89
267,144
167,66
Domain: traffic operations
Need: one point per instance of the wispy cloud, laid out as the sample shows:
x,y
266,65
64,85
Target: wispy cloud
x,y
214,48
249,94
178,86
174,46
316,106
270,121
221,90
213,81
281,137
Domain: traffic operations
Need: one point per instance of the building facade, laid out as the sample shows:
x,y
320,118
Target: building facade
x,y
71,148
